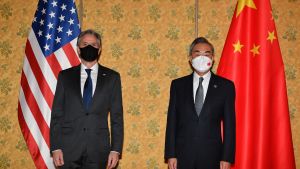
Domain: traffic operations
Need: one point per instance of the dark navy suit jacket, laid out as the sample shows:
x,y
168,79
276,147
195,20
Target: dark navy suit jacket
x,y
186,131
73,128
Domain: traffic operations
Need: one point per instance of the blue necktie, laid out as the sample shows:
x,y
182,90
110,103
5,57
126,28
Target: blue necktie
x,y
87,90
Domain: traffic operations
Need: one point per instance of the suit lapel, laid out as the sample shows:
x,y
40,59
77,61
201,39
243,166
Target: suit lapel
x,y
209,95
190,95
77,83
100,83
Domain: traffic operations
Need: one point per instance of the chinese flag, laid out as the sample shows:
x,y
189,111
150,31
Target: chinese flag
x,y
252,59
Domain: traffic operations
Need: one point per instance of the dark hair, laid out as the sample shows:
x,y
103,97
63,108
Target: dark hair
x,y
201,40
89,32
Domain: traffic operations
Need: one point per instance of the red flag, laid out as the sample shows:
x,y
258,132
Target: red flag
x,y
50,47
252,59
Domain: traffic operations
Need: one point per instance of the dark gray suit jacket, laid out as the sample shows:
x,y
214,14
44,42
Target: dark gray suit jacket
x,y
185,130
73,128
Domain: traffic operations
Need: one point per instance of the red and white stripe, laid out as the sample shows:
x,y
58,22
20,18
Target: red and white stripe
x,y
38,84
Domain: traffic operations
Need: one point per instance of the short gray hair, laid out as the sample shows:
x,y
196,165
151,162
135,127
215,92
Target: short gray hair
x,y
201,40
90,32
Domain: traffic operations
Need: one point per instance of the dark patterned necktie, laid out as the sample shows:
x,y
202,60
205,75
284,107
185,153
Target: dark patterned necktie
x,y
199,97
87,90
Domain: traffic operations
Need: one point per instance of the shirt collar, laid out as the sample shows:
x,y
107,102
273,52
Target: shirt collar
x,y
94,68
205,77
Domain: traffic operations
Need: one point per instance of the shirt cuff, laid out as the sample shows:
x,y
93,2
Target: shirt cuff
x,y
56,150
115,152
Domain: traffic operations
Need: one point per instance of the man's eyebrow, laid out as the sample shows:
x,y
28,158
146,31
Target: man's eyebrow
x,y
208,51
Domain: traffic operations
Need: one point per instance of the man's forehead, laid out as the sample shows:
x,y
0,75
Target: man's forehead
x,y
202,47
88,37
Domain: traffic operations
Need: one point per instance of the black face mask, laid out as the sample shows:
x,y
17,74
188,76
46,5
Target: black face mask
x,y
89,53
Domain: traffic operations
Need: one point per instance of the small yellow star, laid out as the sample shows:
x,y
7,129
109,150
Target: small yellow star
x,y
272,17
241,5
237,47
271,36
255,49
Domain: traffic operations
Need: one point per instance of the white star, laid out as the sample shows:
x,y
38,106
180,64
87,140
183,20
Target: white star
x,y
40,33
43,11
34,19
57,39
69,32
61,18
52,14
78,26
42,22
71,21
45,1
63,7
59,29
48,36
72,10
50,25
46,47
54,3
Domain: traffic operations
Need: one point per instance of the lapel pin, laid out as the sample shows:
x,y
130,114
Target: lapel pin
x,y
103,74
215,86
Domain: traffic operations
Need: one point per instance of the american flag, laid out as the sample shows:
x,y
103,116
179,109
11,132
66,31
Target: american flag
x,y
50,48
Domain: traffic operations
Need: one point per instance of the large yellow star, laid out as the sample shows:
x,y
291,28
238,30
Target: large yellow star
x,y
255,49
271,36
237,47
241,5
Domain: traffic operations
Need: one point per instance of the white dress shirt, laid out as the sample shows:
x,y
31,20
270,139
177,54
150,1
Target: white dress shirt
x,y
83,76
205,83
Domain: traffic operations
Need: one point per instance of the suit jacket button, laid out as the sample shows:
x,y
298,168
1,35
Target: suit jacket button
x,y
84,129
86,114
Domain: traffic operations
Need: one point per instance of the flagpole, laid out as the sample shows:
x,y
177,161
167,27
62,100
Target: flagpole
x,y
80,13
196,18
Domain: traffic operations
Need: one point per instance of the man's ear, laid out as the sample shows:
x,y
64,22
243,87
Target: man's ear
x,y
78,50
190,59
99,51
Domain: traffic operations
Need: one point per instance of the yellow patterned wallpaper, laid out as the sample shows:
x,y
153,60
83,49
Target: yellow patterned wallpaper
x,y
147,42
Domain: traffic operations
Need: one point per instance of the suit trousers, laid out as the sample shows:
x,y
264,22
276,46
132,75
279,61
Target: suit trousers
x,y
196,158
84,162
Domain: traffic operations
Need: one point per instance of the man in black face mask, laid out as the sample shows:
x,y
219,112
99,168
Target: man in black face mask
x,y
85,95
